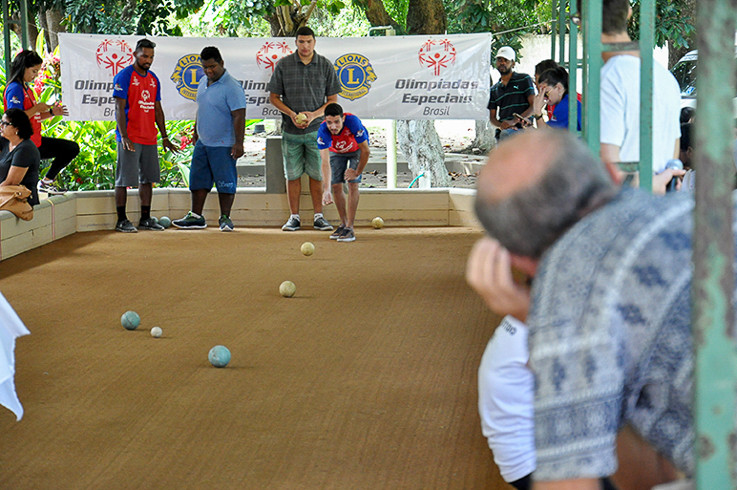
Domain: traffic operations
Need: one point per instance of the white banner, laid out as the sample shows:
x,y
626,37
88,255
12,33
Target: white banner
x,y
393,77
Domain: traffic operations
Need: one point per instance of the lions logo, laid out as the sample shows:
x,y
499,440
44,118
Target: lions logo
x,y
355,74
187,75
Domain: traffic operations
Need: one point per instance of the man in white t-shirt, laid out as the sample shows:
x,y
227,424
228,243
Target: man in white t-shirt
x,y
620,100
506,392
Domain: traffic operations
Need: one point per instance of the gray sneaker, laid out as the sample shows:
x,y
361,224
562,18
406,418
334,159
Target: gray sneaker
x,y
338,231
190,222
322,224
226,224
49,189
347,236
125,226
292,224
150,224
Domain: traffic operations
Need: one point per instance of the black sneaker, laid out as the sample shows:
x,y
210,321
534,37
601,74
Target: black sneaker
x,y
190,222
347,236
125,226
292,224
150,223
226,224
338,231
322,224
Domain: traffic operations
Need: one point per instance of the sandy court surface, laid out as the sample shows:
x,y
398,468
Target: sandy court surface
x,y
365,379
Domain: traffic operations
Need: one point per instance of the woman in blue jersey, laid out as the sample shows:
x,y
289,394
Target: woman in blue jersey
x,y
19,94
553,90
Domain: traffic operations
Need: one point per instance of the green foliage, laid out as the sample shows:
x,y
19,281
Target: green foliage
x,y
670,24
125,17
397,10
508,21
94,167
349,22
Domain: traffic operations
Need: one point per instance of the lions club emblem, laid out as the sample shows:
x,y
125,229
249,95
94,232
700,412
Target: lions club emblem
x,y
355,75
187,75
437,55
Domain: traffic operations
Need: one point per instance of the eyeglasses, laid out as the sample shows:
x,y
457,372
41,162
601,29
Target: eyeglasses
x,y
5,123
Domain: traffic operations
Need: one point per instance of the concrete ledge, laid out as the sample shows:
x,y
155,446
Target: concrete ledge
x,y
74,212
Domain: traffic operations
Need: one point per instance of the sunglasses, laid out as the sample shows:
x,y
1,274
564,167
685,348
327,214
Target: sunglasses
x,y
5,123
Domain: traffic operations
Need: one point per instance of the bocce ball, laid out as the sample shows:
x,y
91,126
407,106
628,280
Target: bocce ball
x,y
287,289
165,221
156,332
130,320
307,248
377,223
219,356
300,118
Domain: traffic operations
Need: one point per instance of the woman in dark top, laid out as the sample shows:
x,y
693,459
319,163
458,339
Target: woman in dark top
x,y
19,157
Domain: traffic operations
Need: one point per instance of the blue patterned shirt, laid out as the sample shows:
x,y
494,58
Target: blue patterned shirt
x,y
610,337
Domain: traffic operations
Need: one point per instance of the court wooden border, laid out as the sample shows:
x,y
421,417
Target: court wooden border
x,y
61,216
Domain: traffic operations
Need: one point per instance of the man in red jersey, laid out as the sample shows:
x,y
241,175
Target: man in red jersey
x,y
344,148
138,112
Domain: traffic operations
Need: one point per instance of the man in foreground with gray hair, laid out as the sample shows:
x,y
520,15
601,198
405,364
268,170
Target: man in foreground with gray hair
x,y
608,312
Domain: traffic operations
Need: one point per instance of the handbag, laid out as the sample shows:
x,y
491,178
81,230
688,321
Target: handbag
x,y
14,198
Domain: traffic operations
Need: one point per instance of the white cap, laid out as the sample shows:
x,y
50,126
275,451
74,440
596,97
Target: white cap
x,y
506,52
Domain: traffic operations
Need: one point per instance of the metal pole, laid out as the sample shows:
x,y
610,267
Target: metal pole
x,y
561,32
647,41
713,248
553,27
24,24
591,19
572,71
6,36
391,155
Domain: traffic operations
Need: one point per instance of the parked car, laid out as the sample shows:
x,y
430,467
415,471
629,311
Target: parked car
x,y
685,73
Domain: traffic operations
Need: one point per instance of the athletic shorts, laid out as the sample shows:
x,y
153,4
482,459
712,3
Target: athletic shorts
x,y
301,155
339,163
139,166
213,165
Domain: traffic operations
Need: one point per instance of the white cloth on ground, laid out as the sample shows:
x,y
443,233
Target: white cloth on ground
x,y
11,327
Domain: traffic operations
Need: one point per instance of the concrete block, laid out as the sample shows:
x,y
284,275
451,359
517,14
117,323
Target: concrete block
x,y
274,167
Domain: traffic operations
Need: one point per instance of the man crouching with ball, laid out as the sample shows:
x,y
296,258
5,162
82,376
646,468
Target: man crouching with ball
x,y
344,150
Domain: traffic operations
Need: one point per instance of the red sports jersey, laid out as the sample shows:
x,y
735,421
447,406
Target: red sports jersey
x,y
19,96
141,94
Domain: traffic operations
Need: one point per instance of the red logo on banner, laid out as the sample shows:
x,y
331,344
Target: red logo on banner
x,y
114,55
270,53
437,55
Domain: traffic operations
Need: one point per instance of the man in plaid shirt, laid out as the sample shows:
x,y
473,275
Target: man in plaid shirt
x,y
302,85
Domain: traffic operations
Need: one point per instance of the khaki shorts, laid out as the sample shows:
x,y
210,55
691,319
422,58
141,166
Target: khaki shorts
x,y
301,156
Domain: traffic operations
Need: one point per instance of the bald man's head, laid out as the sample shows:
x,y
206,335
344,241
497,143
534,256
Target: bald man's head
x,y
537,185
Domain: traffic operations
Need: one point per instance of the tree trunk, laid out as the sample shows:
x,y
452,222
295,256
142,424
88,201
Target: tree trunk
x,y
377,15
287,19
426,17
420,143
32,30
53,27
484,139
419,140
